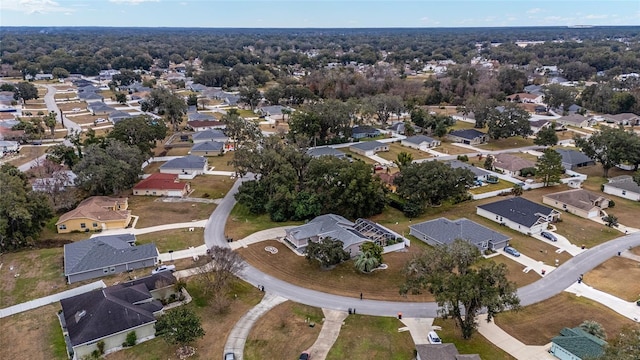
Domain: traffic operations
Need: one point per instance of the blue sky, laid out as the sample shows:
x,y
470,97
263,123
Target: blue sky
x,y
317,13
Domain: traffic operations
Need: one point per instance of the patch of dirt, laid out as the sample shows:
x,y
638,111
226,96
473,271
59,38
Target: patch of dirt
x,y
611,277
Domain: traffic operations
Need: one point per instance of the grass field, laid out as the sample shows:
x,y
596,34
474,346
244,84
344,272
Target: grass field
x,y
477,344
242,222
509,143
177,239
270,337
35,334
153,213
396,148
211,186
611,275
27,153
67,107
65,96
220,163
357,156
447,148
539,323
372,337
491,187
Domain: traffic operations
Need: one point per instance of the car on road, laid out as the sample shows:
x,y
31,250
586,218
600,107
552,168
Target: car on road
x,y
229,356
163,268
305,356
433,338
549,236
511,251
100,121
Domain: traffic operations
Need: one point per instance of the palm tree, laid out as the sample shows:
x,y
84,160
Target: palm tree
x,y
594,328
366,262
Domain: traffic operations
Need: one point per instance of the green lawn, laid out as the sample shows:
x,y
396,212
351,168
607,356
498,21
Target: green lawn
x,y
211,186
509,143
221,163
450,149
477,344
396,148
178,239
56,340
357,156
491,187
242,222
372,337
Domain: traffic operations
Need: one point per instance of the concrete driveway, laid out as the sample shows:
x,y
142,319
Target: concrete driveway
x,y
563,244
529,263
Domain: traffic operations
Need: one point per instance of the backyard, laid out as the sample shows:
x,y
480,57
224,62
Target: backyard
x,y
396,148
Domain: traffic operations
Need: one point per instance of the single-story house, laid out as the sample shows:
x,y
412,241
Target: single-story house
x,y
9,147
96,213
479,174
59,180
575,120
420,142
468,136
623,186
208,148
534,89
445,351
526,98
117,116
196,116
511,164
576,344
352,235
90,96
100,108
273,112
106,255
209,135
231,99
202,125
397,127
187,165
443,231
579,202
319,151
622,119
197,87
519,214
108,315
159,184
88,88
368,148
537,125
572,159
364,131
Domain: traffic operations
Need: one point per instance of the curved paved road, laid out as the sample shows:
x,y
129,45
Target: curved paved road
x,y
553,283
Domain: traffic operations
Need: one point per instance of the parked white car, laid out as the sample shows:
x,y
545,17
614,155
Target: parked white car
x,y
163,268
434,338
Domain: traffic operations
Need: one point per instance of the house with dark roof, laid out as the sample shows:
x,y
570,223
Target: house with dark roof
x,y
90,96
398,127
186,165
208,148
106,255
443,231
209,135
519,214
478,174
579,202
196,116
468,136
100,108
624,187
159,184
320,151
108,315
364,131
446,351
511,164
420,142
576,344
368,148
117,116
575,120
352,235
202,125
572,159
96,213
273,112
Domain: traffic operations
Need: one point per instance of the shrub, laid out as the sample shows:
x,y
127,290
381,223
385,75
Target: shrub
x,y
100,346
131,340
463,158
612,203
529,171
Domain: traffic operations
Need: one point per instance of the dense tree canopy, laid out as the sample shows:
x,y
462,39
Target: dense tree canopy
x,y
141,131
611,146
511,121
327,252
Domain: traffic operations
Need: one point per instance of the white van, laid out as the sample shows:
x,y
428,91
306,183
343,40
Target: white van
x,y
434,338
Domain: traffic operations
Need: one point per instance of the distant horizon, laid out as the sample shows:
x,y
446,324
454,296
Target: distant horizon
x,y
318,14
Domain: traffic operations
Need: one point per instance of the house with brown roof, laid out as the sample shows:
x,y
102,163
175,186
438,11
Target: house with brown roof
x,y
159,184
575,120
95,214
511,164
579,202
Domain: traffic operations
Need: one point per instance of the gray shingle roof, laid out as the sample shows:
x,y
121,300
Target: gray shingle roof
x,y
518,210
329,225
118,116
573,157
89,96
457,164
208,146
100,107
419,139
199,116
624,182
468,134
325,151
208,135
367,145
365,129
445,231
185,162
104,251
580,343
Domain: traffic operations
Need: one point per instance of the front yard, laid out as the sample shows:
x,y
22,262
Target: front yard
x,y
609,275
508,143
177,239
152,211
396,148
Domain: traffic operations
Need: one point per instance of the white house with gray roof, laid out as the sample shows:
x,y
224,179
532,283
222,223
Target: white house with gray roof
x,y
352,235
479,174
443,231
624,187
106,255
320,151
208,148
368,148
186,165
209,135
519,214
420,142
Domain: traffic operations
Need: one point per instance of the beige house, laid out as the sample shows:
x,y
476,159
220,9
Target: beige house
x,y
96,213
579,202
511,164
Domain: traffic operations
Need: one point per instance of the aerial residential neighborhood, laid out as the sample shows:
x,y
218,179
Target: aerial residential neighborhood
x,y
442,190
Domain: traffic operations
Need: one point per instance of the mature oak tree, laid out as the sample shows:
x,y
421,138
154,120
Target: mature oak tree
x,y
546,136
327,252
180,326
461,284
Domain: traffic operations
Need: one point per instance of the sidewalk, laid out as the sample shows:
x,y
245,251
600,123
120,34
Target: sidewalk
x,y
419,328
238,336
184,254
269,234
134,231
625,308
511,345
331,326
529,263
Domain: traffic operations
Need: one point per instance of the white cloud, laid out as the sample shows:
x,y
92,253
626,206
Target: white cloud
x,y
534,11
184,3
132,2
33,6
